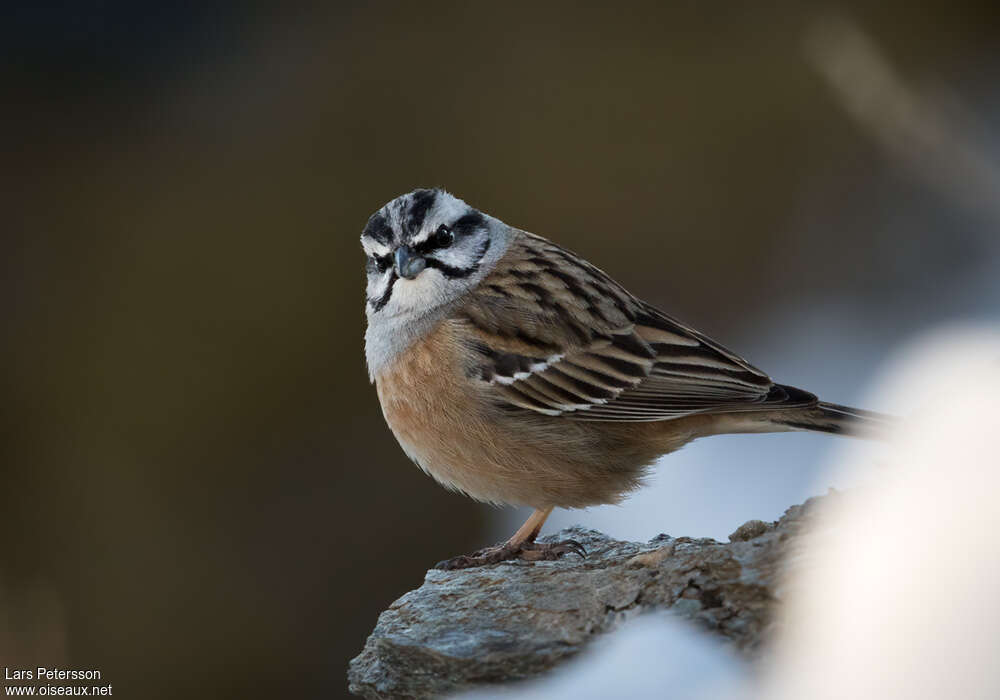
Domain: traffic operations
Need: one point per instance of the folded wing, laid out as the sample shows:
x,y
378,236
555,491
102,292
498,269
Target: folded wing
x,y
552,334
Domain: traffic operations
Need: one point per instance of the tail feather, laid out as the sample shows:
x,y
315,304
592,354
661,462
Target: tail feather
x,y
840,420
788,408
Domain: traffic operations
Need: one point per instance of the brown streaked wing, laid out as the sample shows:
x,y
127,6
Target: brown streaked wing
x,y
553,334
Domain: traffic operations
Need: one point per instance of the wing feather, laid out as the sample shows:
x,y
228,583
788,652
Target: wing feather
x,y
552,334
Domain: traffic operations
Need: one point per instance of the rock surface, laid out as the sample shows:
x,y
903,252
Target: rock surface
x,y
462,629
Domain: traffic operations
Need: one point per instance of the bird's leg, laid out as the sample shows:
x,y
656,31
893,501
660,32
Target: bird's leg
x,y
521,545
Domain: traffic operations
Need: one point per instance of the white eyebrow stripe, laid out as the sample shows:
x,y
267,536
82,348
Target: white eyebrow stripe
x,y
373,247
420,237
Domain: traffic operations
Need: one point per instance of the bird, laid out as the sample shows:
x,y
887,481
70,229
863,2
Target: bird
x,y
512,370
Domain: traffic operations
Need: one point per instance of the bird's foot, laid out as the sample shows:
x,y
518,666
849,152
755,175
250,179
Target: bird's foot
x,y
529,551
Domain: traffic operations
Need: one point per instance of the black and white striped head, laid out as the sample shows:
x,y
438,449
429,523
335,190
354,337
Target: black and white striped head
x,y
424,249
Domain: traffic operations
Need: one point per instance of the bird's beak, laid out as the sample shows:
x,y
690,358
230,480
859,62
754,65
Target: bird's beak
x,y
408,265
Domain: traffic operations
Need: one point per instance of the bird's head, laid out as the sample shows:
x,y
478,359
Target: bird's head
x,y
424,249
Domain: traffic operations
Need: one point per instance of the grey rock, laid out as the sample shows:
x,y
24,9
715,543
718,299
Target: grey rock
x,y
510,621
749,530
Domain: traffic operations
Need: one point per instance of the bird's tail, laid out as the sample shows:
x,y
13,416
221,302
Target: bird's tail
x,y
840,420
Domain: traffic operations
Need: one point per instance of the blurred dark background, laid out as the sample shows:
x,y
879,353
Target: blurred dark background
x,y
199,496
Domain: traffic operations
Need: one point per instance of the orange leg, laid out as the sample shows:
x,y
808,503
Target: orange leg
x,y
532,526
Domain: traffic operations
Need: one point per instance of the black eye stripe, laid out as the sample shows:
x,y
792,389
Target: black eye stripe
x,y
463,226
442,238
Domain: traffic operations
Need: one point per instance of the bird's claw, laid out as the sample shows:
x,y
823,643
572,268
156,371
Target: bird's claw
x,y
528,551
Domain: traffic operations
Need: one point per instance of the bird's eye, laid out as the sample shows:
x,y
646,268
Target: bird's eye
x,y
444,237
382,262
